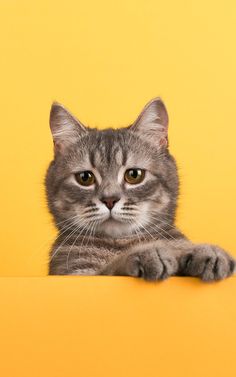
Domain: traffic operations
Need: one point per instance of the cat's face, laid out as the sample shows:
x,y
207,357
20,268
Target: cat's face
x,y
112,182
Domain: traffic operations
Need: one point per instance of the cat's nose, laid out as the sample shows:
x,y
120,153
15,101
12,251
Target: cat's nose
x,y
110,201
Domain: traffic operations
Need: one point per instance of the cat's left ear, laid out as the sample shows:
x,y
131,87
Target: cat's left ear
x,y
152,123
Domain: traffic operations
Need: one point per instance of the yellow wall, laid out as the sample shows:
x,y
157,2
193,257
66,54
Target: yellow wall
x,y
104,59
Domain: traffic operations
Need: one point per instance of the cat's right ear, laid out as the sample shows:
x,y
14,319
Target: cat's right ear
x,y
65,127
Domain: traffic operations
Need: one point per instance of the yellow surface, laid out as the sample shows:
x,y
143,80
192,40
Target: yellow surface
x,y
119,327
104,59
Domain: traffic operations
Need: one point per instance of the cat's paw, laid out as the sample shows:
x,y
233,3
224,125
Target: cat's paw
x,y
152,264
208,262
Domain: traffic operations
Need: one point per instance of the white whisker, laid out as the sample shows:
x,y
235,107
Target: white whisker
x,y
68,255
67,238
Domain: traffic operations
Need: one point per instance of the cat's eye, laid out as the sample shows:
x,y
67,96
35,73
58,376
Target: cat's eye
x,y
134,176
85,178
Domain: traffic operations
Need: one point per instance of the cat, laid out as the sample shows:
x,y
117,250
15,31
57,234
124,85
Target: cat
x,y
113,196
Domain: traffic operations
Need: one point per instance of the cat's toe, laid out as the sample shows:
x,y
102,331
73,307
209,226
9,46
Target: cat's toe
x,y
144,265
219,267
168,262
151,265
208,262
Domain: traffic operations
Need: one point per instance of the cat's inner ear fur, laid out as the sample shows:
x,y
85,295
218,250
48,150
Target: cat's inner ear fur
x,y
152,123
65,127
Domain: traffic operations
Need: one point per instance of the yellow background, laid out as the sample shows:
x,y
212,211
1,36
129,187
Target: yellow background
x,y
104,60
116,327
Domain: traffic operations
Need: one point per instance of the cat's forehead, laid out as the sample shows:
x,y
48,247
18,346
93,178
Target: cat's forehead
x,y
111,149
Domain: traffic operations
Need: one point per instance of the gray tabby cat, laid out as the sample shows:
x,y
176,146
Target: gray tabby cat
x,y
113,196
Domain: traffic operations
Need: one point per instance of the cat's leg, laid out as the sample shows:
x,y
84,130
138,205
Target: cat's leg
x,y
161,259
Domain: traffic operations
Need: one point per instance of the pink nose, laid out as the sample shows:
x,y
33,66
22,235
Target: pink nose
x,y
110,202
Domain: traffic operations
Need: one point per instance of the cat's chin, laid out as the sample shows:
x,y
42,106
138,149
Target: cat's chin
x,y
114,228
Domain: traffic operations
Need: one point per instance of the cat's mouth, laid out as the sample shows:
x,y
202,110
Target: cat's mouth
x,y
114,226
115,218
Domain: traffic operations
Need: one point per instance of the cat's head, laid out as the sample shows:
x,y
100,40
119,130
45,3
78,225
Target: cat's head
x,y
113,182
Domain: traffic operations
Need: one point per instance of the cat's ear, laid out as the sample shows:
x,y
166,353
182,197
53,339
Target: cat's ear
x,y
152,123
65,127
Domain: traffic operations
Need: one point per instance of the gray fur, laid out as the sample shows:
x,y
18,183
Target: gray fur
x,y
137,237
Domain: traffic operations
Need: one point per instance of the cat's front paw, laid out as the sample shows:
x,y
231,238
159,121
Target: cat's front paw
x,y
208,262
152,264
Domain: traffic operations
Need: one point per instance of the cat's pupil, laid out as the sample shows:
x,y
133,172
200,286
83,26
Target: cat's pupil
x,y
85,176
134,173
